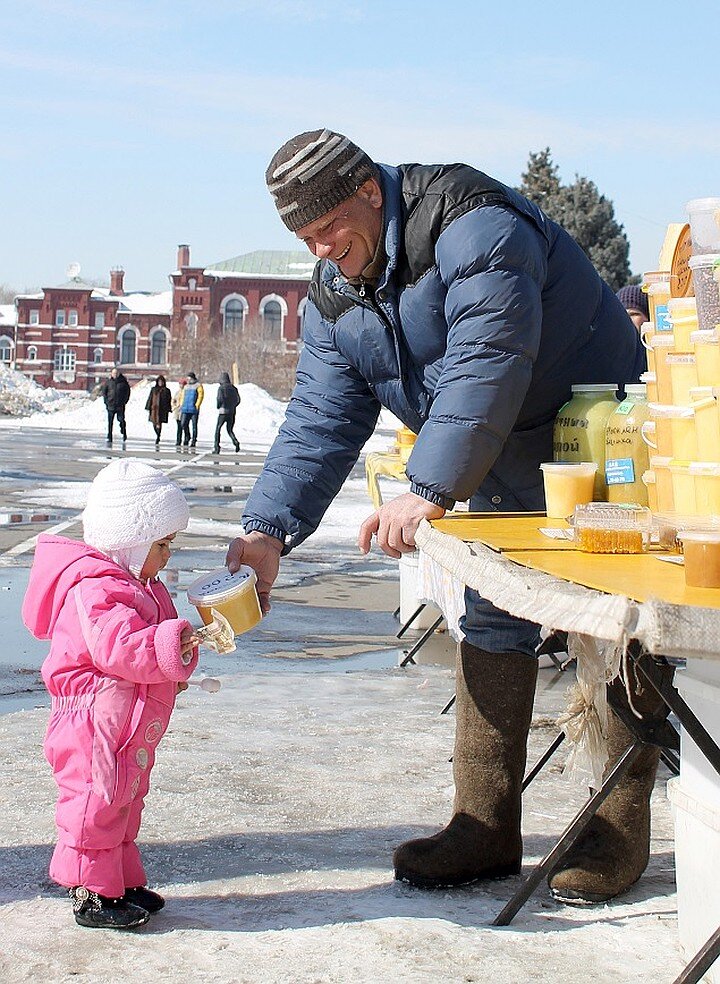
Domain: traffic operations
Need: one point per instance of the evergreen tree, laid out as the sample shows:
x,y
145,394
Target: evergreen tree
x,y
587,215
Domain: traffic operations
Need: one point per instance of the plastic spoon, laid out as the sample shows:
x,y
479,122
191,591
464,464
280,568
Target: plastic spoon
x,y
209,684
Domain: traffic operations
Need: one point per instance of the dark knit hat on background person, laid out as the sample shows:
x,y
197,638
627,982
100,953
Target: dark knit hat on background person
x,y
632,298
313,172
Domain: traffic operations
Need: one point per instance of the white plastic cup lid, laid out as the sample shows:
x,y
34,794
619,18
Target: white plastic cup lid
x,y
568,467
699,536
219,584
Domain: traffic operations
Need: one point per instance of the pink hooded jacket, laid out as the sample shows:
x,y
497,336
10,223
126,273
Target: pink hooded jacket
x,y
114,653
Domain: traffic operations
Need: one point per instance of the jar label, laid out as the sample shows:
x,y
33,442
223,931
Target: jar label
x,y
619,471
624,407
662,318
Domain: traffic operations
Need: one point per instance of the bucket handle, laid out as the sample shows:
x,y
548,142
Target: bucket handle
x,y
644,427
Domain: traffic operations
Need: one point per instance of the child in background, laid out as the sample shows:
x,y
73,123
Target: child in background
x,y
118,655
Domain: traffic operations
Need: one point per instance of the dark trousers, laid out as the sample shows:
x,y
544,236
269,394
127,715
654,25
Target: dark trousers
x,y
112,413
226,420
178,439
190,421
158,431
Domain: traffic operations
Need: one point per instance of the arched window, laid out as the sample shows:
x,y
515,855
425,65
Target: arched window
x,y
273,311
6,347
158,347
128,346
64,360
97,356
32,353
233,316
192,283
191,323
302,306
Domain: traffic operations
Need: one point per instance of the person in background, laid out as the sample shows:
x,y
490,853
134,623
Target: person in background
x,y
228,400
158,406
118,656
177,399
635,302
449,298
116,393
192,398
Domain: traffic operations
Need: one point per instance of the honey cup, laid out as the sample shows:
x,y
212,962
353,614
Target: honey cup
x,y
660,347
567,484
233,595
650,381
683,485
707,423
648,479
660,467
706,477
707,356
702,557
683,376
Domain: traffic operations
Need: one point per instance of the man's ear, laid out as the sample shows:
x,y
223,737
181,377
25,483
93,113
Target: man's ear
x,y
370,190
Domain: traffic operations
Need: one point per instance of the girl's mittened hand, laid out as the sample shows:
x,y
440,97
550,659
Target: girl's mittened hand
x,y
181,686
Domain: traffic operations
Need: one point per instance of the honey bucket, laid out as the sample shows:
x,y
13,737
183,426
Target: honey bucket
x,y
683,376
660,348
707,422
233,595
707,356
683,484
656,285
660,467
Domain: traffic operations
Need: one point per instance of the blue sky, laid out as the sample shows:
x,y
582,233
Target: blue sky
x,y
135,125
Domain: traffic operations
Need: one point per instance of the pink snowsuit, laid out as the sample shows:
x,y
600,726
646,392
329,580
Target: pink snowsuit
x,y
112,672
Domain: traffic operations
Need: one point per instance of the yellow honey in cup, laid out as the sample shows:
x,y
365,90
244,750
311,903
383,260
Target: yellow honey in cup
x,y
707,356
660,467
650,380
683,485
233,595
657,287
702,557
682,312
706,475
661,346
567,484
707,422
683,376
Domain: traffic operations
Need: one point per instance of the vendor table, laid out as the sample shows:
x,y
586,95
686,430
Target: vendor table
x,y
615,598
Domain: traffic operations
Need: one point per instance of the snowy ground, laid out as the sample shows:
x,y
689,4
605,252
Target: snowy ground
x,y
276,803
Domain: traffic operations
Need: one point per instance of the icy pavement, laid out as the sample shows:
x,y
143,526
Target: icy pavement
x,y
276,803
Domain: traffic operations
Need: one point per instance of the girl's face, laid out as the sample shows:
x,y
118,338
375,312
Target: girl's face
x,y
157,557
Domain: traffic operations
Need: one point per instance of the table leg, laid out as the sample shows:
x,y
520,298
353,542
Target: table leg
x,y
702,961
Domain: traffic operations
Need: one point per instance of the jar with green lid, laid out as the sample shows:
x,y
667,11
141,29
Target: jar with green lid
x,y
626,453
579,433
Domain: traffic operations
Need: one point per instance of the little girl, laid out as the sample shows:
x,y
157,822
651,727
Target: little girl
x,y
118,654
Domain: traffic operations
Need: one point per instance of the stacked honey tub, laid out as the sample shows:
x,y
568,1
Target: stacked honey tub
x,y
676,415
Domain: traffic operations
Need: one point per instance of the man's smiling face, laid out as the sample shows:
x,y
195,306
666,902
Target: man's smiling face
x,y
348,234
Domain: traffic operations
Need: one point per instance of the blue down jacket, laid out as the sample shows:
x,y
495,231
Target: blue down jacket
x,y
486,313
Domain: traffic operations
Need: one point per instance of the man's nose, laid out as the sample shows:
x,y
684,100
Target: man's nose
x,y
322,250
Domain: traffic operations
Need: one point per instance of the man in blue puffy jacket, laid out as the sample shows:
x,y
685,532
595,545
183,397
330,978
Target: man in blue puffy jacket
x,y
455,302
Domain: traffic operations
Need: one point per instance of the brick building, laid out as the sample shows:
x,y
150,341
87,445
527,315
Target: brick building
x,y
71,335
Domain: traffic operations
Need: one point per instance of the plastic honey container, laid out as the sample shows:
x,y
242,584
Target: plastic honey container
x,y
702,557
660,466
406,441
656,285
707,423
650,381
579,432
616,529
647,333
626,453
683,485
233,595
674,431
660,347
706,345
683,376
567,485
706,476
648,479
682,313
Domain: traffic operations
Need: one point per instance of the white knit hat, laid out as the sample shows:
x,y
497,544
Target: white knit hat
x,y
130,506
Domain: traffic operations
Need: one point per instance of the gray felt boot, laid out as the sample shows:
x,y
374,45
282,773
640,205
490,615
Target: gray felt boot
x,y
495,693
613,851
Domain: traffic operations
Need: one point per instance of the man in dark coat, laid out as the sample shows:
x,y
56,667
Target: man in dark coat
x,y
116,393
228,400
454,301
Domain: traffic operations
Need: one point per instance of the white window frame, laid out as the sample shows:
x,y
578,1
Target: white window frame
x,y
283,311
32,353
159,330
64,360
72,318
60,318
97,356
124,332
99,319
34,317
191,325
6,345
223,305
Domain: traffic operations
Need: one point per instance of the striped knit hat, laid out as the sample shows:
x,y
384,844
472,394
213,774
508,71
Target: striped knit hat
x,y
313,172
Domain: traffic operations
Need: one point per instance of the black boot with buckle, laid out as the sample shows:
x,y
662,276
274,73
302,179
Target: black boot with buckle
x,y
100,912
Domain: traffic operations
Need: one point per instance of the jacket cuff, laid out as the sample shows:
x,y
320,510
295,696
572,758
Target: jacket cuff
x,y
436,497
167,649
260,526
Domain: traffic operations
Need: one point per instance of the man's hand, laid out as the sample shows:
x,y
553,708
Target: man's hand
x,y
262,553
396,522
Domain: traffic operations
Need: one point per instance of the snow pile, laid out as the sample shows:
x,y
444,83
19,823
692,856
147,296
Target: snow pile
x,y
20,396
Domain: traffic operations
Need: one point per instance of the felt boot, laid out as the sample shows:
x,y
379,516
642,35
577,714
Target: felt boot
x,y
613,851
494,701
145,898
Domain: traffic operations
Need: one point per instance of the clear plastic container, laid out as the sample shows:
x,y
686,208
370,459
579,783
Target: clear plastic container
x,y
683,376
702,557
233,595
567,484
579,433
656,284
667,525
660,465
660,347
650,381
706,282
626,453
706,345
674,432
616,529
682,312
704,224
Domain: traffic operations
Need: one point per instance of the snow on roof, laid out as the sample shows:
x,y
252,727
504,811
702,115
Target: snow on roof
x,y
8,316
279,264
145,303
